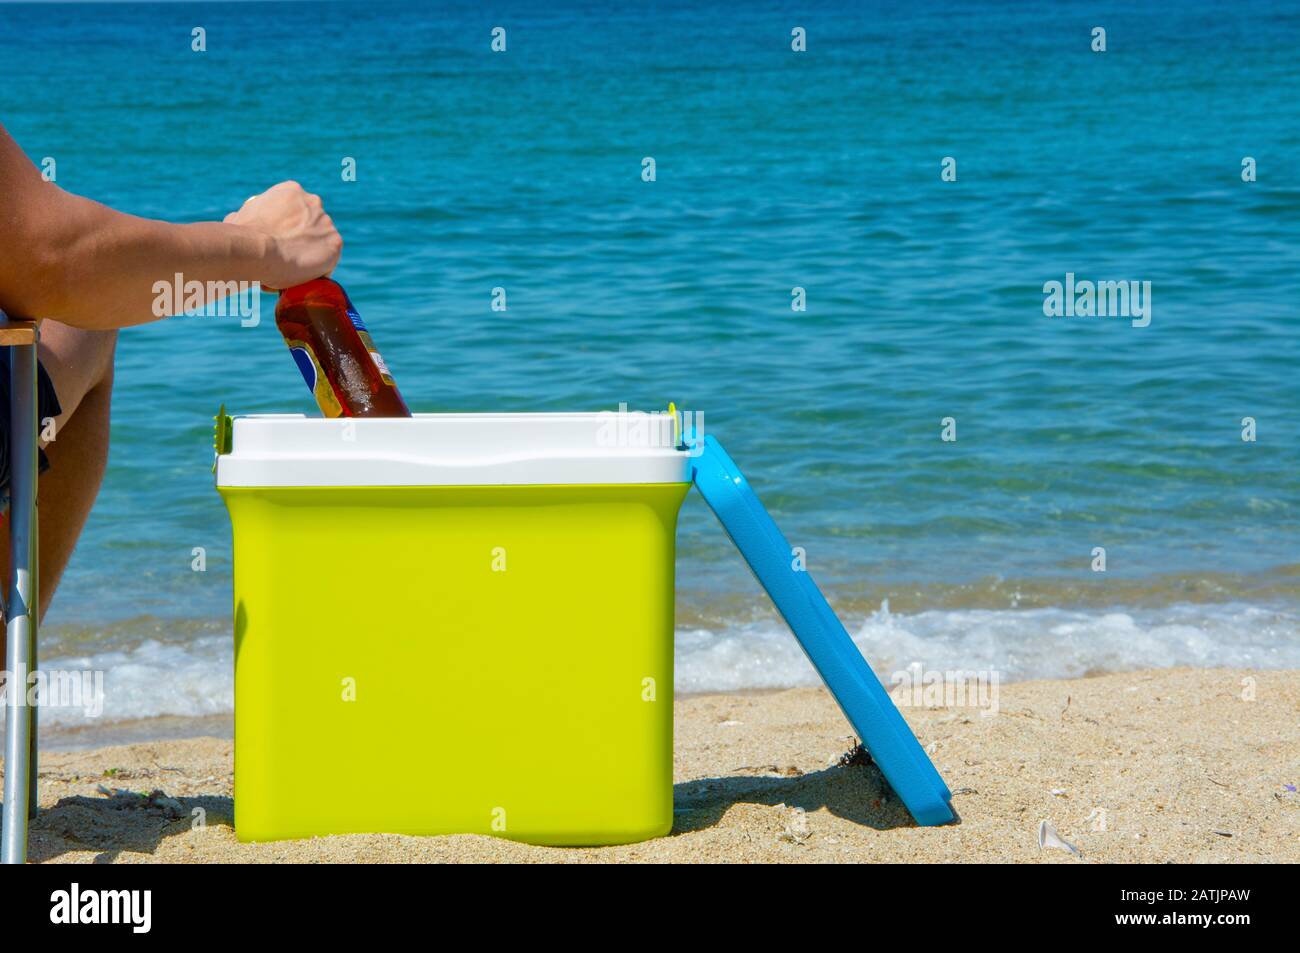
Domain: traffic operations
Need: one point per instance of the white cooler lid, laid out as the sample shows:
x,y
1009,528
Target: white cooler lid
x,y
271,450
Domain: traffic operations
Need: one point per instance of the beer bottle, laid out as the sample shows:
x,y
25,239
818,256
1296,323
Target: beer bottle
x,y
334,352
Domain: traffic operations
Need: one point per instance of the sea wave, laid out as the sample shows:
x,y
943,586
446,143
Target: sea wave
x,y
1016,643
194,676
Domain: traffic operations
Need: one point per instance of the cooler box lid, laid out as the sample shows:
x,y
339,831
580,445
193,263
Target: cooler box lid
x,y
293,450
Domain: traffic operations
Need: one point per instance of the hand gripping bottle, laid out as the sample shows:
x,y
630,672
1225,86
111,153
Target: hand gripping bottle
x,y
333,350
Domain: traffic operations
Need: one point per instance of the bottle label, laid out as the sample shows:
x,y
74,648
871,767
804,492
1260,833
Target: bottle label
x,y
316,380
379,361
383,368
370,346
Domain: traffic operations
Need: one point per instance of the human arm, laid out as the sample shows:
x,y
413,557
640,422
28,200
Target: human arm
x,y
81,263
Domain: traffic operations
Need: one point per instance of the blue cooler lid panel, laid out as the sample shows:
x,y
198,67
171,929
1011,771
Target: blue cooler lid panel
x,y
864,701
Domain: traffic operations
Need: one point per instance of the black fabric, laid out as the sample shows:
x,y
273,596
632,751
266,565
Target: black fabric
x,y
47,405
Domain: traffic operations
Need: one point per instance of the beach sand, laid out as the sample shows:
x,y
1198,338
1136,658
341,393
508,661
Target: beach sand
x,y
1155,766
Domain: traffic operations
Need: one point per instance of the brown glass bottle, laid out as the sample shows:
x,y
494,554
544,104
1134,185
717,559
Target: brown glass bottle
x,y
334,352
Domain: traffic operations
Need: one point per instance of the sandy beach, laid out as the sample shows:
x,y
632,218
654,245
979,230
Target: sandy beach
x,y
1175,765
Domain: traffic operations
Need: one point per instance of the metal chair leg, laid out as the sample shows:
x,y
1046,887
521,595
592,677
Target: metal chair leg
x,y
33,799
23,612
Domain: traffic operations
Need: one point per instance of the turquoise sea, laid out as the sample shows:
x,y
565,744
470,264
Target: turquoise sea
x,y
774,170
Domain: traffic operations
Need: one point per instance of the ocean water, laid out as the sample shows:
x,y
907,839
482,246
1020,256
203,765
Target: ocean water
x,y
774,170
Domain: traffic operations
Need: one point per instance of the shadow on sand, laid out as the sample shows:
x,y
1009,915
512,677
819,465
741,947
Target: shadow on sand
x,y
132,823
111,826
855,793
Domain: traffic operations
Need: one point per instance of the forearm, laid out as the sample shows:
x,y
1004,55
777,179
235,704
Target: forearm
x,y
107,267
85,265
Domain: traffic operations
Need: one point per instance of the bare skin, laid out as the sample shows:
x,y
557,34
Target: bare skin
x,y
83,271
80,365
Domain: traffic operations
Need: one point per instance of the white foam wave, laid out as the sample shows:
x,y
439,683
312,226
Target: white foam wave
x,y
1017,643
153,678
196,677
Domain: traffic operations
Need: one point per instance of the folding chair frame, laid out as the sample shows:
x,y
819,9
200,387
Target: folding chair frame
x,y
23,603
